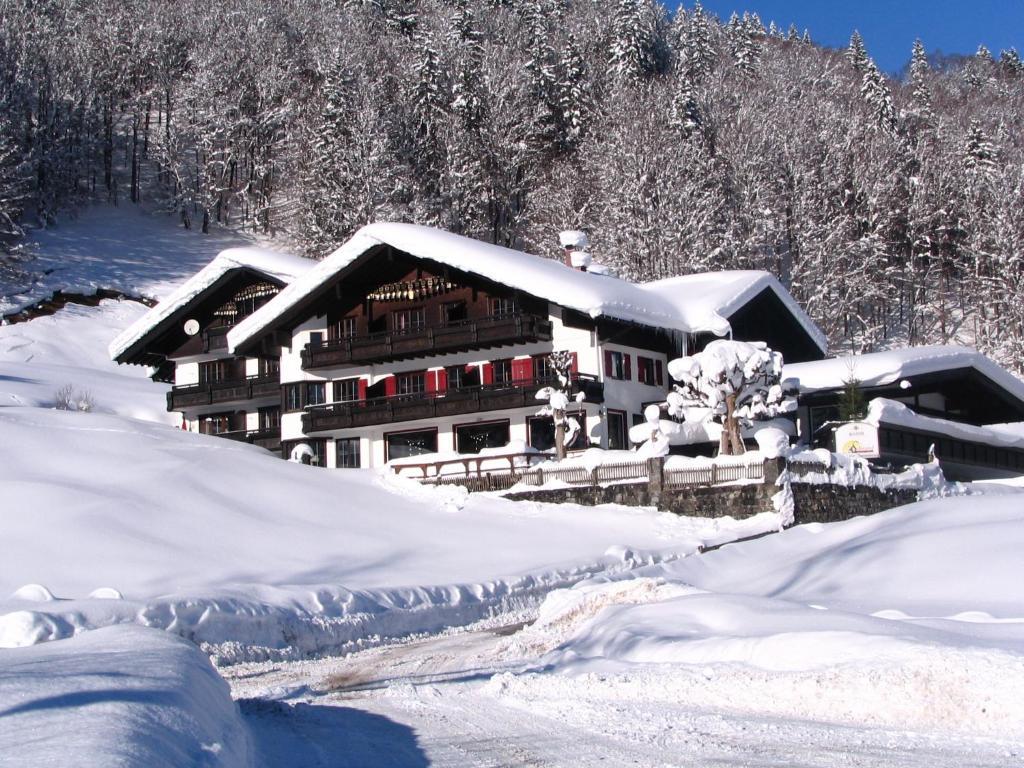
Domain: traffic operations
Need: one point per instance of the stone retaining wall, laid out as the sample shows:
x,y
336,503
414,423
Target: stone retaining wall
x,y
813,503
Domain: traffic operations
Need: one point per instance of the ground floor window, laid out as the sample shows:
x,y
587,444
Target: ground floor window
x,y
317,447
348,452
215,423
541,431
402,444
471,438
618,439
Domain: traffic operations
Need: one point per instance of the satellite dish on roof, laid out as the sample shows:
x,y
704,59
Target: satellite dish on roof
x,y
192,326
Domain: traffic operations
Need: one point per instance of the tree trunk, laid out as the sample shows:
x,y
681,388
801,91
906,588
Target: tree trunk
x,y
560,434
731,443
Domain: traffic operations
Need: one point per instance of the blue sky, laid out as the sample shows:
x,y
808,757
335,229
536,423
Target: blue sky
x,y
890,26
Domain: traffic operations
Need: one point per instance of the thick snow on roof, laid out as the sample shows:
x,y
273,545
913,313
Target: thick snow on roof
x,y
596,295
281,266
884,411
883,368
707,299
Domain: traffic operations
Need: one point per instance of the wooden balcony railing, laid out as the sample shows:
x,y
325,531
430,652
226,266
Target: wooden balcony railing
x,y
231,390
431,405
422,342
264,438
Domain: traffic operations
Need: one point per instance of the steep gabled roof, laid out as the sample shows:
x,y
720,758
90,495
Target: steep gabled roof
x,y
282,268
883,368
594,295
706,300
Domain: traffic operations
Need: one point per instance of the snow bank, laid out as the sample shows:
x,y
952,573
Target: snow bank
x,y
69,348
123,696
592,294
884,368
911,618
252,556
706,300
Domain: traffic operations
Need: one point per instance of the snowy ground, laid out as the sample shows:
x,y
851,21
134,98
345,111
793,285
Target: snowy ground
x,y
124,249
892,640
897,639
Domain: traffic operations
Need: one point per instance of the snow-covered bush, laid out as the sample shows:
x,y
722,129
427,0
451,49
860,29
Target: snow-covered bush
x,y
67,398
737,381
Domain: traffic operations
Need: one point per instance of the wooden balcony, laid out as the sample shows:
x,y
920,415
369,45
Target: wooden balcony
x,y
229,391
432,405
423,342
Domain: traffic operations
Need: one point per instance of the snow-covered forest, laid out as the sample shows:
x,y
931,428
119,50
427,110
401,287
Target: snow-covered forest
x,y
893,209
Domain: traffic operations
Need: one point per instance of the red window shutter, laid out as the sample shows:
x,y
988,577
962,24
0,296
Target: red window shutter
x,y
442,380
608,364
487,373
362,389
659,378
641,369
575,367
522,370
627,367
430,381
389,386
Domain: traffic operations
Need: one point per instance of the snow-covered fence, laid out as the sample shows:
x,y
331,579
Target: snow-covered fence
x,y
713,474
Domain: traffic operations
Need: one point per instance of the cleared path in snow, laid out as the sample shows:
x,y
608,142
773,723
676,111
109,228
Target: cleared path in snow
x,y
432,702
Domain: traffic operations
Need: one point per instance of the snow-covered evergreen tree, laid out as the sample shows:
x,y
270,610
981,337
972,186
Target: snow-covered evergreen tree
x,y
876,93
856,53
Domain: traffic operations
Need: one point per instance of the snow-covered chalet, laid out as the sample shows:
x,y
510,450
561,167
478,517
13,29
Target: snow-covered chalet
x,y
411,340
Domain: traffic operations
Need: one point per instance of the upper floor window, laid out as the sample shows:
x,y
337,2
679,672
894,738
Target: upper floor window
x,y
270,366
503,307
542,369
315,393
502,371
345,328
410,383
346,390
215,371
617,365
406,320
453,312
648,371
293,397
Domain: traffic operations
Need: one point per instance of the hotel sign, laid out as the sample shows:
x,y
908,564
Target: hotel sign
x,y
857,438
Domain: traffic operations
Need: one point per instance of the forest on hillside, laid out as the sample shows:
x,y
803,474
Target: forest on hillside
x,y
892,209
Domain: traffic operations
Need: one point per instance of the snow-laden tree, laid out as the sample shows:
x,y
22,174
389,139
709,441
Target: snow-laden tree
x,y
558,399
876,93
737,382
856,53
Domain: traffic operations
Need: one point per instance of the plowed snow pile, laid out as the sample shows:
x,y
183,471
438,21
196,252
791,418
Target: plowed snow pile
x,y
912,618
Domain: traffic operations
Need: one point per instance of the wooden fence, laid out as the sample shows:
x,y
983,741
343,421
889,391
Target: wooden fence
x,y
521,470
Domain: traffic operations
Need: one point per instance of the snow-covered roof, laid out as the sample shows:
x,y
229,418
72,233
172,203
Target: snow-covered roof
x,y
706,300
884,411
282,267
595,295
884,368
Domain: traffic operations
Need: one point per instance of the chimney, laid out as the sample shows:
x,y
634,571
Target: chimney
x,y
575,243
